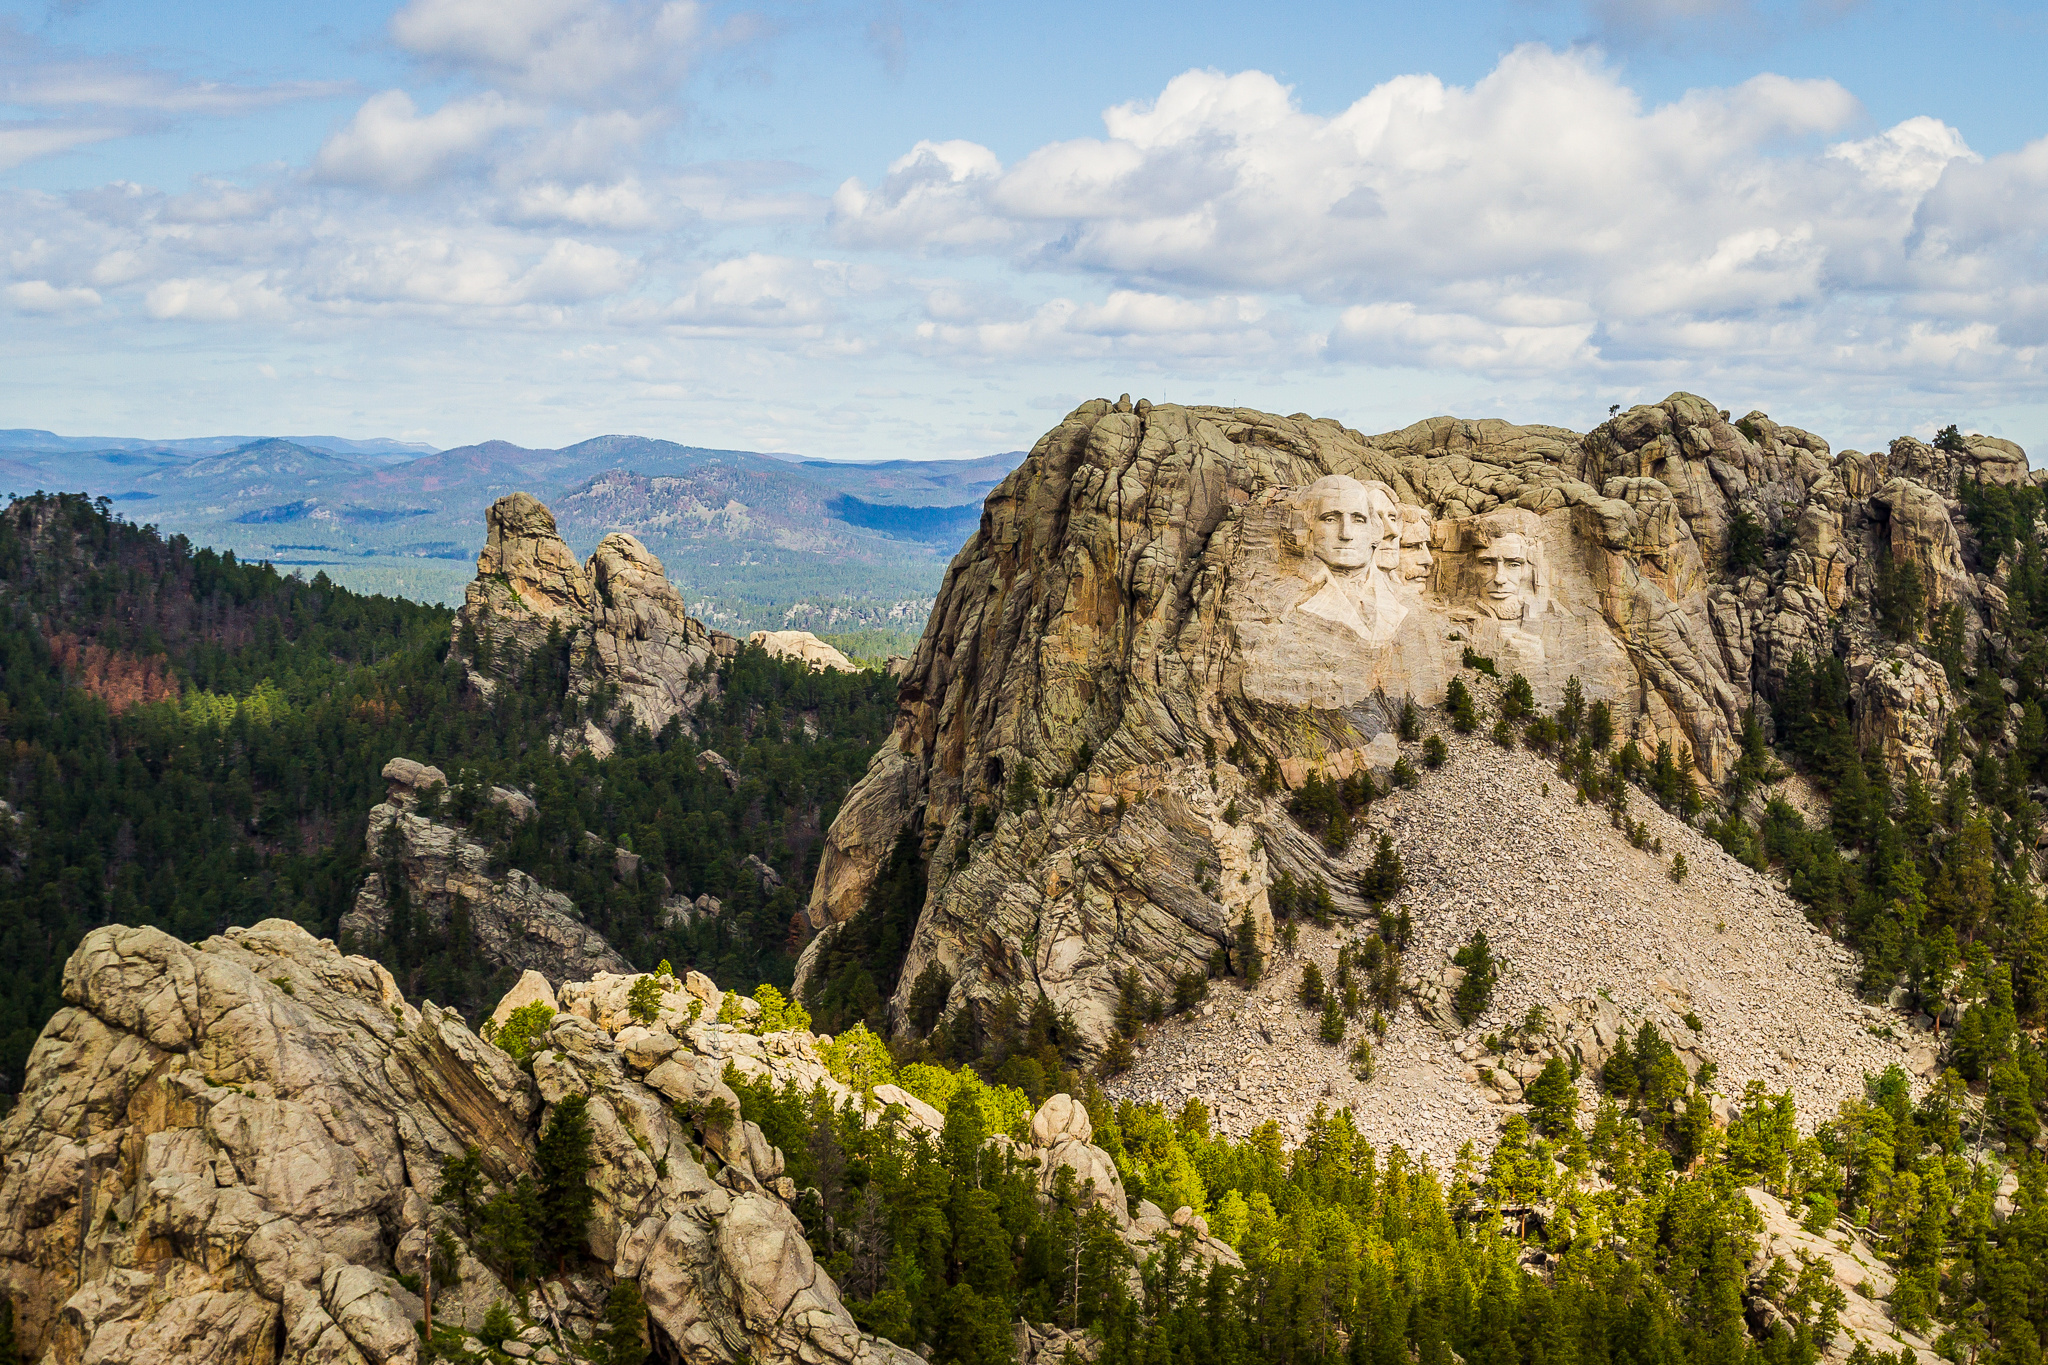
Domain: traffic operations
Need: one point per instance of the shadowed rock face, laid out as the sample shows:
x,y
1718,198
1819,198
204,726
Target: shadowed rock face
x,y
616,622
1160,586
513,920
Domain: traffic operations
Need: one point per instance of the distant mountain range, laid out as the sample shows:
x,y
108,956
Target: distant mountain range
x,y
756,541
49,442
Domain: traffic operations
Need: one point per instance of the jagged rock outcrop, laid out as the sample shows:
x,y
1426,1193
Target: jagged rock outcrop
x,y
1862,1276
621,629
804,648
229,1152
1165,604
217,1146
512,919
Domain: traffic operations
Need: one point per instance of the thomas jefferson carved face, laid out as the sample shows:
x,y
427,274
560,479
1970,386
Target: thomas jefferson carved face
x,y
1416,558
1507,575
1348,523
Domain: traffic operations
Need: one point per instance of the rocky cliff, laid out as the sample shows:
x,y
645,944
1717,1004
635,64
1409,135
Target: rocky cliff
x,y
231,1151
621,634
1169,611
434,870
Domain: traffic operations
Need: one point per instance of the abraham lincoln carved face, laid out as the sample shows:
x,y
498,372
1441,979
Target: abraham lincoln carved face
x,y
1510,573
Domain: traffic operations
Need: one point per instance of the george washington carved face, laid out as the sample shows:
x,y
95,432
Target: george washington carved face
x,y
1348,522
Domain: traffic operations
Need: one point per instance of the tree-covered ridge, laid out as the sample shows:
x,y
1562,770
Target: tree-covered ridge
x,y
1629,1240
1935,888
247,795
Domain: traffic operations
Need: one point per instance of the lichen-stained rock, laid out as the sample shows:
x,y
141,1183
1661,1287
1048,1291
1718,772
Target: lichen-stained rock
x,y
250,1119
513,920
240,1141
247,1135
618,626
647,646
1167,609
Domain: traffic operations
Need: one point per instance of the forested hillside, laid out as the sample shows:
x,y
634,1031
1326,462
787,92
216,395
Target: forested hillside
x,y
194,742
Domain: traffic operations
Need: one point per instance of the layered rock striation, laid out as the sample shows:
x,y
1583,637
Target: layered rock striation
x,y
1167,611
623,636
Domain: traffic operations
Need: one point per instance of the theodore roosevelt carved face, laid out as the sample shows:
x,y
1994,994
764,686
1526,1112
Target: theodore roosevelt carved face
x,y
1415,557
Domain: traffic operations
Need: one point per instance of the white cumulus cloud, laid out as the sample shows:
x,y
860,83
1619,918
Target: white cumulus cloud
x,y
1545,216
389,144
605,50
760,292
40,296
240,299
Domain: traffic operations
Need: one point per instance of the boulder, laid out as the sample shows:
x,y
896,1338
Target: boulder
x,y
1059,1119
803,647
915,1109
530,988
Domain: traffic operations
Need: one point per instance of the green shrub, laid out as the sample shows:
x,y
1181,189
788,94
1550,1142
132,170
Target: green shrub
x,y
499,1325
525,1031
643,1001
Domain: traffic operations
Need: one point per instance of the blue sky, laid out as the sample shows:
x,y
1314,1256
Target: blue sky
x,y
910,229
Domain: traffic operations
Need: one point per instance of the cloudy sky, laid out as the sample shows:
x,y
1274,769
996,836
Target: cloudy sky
x,y
926,229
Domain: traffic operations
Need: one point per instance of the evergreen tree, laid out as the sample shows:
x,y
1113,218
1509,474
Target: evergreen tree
x,y
565,1194
1475,991
1553,1100
1600,726
1311,988
1386,878
622,1339
1458,706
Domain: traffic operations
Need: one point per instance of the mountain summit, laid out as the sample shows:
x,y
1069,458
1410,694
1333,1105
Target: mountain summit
x,y
1179,632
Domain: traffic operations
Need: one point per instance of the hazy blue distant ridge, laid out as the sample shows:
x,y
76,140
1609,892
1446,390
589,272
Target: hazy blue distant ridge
x,y
755,540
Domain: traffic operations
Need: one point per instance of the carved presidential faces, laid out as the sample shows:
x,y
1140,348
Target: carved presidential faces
x,y
1348,522
1507,564
1353,540
1414,559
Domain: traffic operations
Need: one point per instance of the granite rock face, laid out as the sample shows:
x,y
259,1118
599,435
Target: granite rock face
x,y
514,921
1165,608
217,1146
620,629
229,1152
805,648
